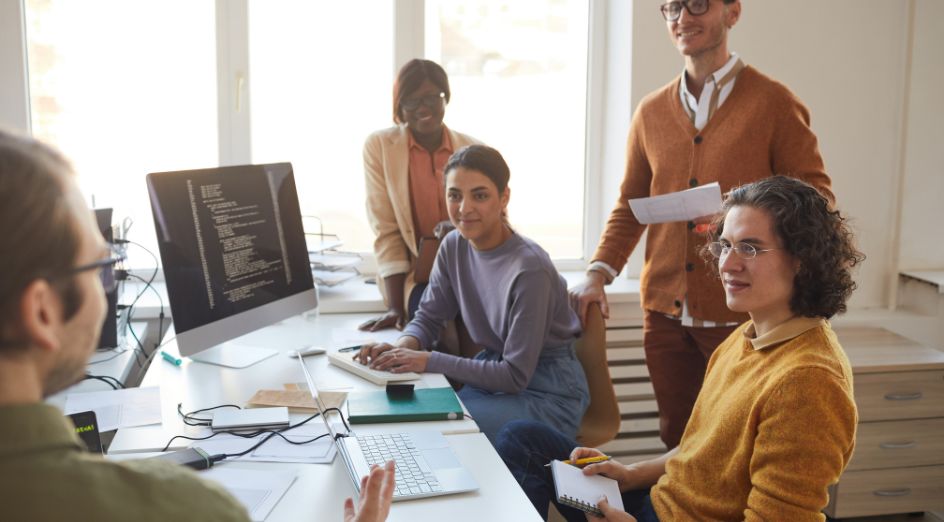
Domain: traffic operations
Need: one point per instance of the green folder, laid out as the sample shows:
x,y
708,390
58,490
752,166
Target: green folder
x,y
425,404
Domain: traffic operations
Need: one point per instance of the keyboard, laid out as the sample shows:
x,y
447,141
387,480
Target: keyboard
x,y
413,474
345,361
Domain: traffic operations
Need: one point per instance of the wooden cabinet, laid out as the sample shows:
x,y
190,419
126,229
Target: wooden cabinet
x,y
898,464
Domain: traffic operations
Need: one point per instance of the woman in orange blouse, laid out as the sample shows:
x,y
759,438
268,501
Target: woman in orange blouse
x,y
405,199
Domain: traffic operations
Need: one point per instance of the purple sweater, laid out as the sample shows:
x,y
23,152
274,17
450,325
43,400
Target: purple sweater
x,y
511,299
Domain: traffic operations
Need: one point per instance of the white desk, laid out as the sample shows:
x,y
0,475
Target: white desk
x,y
320,489
117,363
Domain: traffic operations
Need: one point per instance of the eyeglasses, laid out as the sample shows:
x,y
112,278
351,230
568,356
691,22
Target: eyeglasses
x,y
107,267
743,250
671,11
430,100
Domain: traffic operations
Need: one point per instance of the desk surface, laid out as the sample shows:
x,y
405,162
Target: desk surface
x,y
320,489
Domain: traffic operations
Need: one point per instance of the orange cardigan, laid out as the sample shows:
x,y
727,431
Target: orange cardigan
x,y
761,129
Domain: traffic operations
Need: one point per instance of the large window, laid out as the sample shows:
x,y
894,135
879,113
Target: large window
x,y
127,87
518,73
123,89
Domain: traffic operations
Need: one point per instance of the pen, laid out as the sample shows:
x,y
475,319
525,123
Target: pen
x,y
350,348
176,361
584,462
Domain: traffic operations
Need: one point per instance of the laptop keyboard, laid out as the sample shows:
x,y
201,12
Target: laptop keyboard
x,y
413,474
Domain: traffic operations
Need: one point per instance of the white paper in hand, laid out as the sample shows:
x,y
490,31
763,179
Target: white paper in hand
x,y
575,489
678,206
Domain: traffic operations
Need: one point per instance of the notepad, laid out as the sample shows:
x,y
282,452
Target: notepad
x,y
425,404
345,362
575,489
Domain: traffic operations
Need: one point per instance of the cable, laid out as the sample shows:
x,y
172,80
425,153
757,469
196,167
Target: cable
x,y
190,420
107,379
160,324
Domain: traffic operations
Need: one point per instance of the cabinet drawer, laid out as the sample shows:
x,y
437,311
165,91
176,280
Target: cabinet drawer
x,y
885,491
904,395
896,444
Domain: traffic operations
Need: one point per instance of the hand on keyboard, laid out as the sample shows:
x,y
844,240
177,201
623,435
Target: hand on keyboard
x,y
395,359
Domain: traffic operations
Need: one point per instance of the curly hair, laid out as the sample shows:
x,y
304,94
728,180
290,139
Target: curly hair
x,y
814,234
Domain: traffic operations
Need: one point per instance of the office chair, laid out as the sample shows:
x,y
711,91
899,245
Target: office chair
x,y
601,421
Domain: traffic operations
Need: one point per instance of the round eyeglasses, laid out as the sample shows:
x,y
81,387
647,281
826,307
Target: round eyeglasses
x,y
430,100
720,249
671,11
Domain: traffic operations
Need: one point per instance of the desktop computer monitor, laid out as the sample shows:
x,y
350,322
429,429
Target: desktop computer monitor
x,y
234,256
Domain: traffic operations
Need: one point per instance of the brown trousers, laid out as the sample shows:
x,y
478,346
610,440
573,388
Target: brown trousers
x,y
677,357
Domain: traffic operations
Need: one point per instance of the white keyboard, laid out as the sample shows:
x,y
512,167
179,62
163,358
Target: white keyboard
x,y
413,474
345,361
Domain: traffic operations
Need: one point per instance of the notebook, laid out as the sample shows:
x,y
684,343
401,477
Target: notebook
x,y
575,489
424,404
345,361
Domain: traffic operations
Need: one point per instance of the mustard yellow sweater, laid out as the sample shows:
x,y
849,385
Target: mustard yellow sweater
x,y
773,426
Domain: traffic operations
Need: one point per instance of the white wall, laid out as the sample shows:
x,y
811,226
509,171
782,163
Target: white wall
x,y
847,60
921,237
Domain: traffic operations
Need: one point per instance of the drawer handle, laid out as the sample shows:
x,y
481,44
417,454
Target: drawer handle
x,y
898,445
903,396
892,492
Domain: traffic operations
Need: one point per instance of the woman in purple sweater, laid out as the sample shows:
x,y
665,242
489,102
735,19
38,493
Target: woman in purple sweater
x,y
512,300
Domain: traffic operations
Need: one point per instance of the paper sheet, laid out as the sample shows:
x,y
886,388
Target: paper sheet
x,y
678,206
257,490
116,409
276,449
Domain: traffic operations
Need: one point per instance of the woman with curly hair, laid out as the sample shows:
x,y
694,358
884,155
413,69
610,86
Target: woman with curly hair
x,y
774,424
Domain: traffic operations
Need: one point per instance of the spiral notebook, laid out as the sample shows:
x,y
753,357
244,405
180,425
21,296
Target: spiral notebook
x,y
575,489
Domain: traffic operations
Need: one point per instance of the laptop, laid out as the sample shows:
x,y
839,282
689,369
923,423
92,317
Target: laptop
x,y
425,463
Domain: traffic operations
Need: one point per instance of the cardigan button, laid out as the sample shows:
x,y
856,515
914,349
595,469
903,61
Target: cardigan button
x,y
678,304
691,225
693,182
689,267
697,140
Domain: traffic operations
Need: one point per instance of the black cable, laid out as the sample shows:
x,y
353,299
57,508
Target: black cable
x,y
190,420
160,324
137,297
107,379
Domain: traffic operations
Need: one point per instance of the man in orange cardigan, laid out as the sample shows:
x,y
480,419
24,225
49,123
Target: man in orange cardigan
x,y
719,121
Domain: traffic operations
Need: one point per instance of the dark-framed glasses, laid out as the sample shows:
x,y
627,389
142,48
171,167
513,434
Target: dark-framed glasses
x,y
105,266
671,11
720,249
430,100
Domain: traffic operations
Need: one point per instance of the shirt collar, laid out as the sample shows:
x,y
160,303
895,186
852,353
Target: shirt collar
x,y
783,332
689,98
446,144
29,427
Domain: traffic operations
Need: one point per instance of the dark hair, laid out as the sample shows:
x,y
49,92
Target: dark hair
x,y
38,225
815,235
411,76
484,159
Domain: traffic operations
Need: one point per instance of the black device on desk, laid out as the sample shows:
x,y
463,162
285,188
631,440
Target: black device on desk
x,y
86,426
109,337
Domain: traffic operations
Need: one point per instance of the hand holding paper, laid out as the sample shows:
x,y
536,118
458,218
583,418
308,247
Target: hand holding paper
x,y
686,205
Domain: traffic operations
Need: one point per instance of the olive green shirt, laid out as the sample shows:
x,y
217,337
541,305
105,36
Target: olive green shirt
x,y
45,474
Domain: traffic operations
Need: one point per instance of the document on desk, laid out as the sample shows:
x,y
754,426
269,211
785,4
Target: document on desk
x,y
277,449
257,490
678,206
119,408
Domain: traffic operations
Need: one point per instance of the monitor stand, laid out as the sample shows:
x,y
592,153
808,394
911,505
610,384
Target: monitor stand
x,y
233,355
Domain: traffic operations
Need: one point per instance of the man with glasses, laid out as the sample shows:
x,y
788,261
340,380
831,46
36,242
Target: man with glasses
x,y
719,121
55,267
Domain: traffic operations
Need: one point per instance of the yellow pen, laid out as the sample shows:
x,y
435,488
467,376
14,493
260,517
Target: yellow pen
x,y
584,462
588,460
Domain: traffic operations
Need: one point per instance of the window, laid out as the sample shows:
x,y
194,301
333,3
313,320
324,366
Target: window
x,y
319,87
128,87
518,74
120,97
